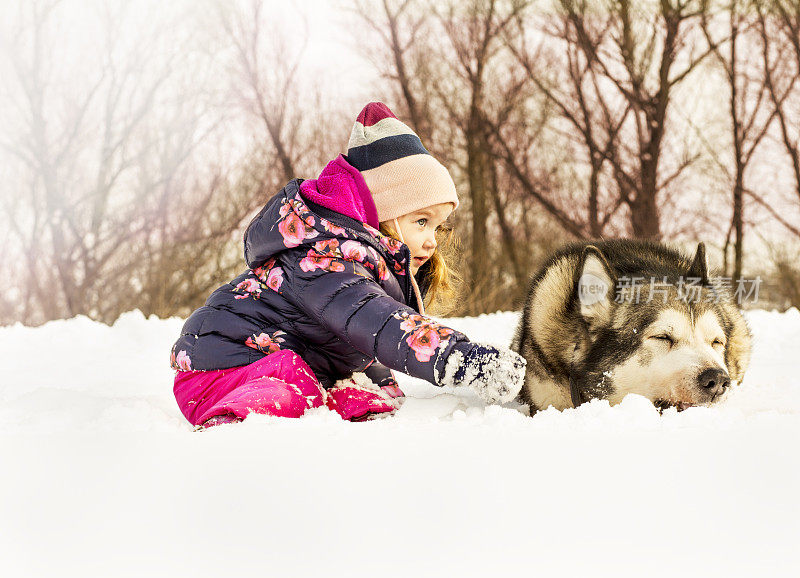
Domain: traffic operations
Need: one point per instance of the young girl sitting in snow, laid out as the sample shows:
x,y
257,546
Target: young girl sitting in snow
x,y
339,267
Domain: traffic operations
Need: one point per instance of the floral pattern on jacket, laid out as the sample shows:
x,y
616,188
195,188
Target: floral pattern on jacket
x,y
330,288
180,361
425,335
268,276
266,343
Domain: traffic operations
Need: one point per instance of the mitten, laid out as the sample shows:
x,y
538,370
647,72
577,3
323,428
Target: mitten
x,y
495,374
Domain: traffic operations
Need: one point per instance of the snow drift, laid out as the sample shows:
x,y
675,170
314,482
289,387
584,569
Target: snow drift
x,y
102,476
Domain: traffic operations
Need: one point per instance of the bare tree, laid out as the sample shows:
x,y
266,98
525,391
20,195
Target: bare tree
x,y
401,26
731,29
265,70
71,224
475,33
779,28
637,57
571,86
102,185
452,63
123,199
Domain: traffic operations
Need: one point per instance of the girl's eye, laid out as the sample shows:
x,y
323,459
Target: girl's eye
x,y
422,222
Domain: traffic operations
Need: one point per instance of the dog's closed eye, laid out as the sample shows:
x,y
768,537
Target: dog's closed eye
x,y
665,338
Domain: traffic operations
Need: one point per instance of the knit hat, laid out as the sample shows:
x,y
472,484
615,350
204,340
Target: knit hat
x,y
401,174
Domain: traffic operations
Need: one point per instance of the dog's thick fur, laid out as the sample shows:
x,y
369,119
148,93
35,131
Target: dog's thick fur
x,y
675,349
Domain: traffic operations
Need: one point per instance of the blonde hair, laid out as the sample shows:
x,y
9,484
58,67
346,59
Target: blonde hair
x,y
442,280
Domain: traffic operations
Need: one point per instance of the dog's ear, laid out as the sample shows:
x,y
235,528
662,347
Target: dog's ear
x,y
699,268
594,288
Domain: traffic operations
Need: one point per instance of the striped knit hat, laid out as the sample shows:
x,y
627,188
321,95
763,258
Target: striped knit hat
x,y
401,174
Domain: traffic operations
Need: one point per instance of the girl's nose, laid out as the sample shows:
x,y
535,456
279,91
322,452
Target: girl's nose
x,y
430,243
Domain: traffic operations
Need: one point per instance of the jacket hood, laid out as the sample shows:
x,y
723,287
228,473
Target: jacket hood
x,y
289,222
341,188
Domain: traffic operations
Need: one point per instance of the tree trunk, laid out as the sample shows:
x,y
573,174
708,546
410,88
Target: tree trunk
x,y
476,175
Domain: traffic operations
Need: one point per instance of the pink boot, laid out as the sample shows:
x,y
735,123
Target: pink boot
x,y
280,384
364,401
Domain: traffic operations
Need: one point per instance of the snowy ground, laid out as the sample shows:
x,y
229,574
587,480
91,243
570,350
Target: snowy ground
x,y
101,476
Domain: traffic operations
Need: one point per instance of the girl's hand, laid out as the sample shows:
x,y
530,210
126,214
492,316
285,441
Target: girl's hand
x,y
495,374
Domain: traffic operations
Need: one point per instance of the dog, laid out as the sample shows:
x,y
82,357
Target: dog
x,y
607,318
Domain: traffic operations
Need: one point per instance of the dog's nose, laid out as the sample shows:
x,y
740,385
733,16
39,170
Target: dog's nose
x,y
714,381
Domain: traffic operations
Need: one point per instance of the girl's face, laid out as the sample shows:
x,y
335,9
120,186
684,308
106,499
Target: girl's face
x,y
419,231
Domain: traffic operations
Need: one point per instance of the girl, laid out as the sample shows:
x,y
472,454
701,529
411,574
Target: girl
x,y
339,267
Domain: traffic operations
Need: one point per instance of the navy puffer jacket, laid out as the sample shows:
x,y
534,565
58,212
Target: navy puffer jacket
x,y
326,286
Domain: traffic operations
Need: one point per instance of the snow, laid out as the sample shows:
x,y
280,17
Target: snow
x,y
102,476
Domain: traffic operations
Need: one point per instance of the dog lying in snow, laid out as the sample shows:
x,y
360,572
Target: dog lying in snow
x,y
608,318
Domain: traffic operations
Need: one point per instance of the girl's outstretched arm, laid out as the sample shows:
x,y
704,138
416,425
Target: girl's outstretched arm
x,y
345,299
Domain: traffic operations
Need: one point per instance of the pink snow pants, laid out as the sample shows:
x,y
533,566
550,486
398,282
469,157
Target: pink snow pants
x,y
280,384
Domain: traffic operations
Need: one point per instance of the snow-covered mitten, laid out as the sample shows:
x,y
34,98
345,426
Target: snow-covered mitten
x,y
495,374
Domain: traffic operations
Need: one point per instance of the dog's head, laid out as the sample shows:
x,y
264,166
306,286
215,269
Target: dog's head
x,y
677,340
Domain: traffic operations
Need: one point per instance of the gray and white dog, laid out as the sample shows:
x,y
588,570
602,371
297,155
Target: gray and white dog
x,y
607,318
